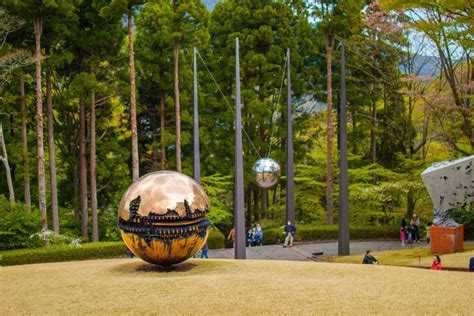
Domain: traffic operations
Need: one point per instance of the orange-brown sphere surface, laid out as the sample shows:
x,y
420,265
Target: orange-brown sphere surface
x,y
162,217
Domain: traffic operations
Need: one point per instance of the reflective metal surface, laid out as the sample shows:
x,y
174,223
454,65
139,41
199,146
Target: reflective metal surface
x,y
162,191
266,172
162,217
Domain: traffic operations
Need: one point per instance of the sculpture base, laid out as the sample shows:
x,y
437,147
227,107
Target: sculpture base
x,y
447,239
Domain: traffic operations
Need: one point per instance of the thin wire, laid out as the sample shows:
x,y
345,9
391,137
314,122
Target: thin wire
x,y
227,102
276,107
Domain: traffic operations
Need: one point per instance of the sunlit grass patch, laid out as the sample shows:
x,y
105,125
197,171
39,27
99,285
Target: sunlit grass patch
x,y
131,286
413,257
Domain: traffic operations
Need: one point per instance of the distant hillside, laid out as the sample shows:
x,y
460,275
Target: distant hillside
x,y
426,65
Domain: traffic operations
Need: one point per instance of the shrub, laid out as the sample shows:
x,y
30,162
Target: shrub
x,y
216,239
17,224
329,232
101,250
465,216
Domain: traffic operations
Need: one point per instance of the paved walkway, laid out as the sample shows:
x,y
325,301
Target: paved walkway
x,y
303,251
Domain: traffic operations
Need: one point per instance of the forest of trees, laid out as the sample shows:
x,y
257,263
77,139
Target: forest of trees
x,y
95,93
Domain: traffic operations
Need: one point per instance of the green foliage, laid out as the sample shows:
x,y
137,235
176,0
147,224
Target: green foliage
x,y
101,250
465,216
17,224
216,239
218,189
330,232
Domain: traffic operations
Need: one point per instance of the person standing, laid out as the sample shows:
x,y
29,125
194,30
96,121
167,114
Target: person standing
x,y
231,236
204,250
403,235
415,224
290,231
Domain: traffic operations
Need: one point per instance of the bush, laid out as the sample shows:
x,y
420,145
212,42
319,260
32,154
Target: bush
x,y
330,232
17,224
100,250
216,239
465,216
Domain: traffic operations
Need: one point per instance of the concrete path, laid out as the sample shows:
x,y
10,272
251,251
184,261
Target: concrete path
x,y
303,251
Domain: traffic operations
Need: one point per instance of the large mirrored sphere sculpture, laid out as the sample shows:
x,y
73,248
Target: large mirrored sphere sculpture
x,y
266,172
162,217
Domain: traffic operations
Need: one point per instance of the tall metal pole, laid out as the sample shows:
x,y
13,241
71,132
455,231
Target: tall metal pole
x,y
239,215
344,239
290,197
197,162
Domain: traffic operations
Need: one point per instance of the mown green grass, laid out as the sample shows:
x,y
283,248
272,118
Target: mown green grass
x,y
231,287
413,257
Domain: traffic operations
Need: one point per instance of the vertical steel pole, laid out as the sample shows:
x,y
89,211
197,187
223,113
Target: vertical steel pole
x,y
344,238
290,197
239,215
197,162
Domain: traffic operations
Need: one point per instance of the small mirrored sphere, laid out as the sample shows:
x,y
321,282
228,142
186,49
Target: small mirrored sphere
x,y
162,217
266,172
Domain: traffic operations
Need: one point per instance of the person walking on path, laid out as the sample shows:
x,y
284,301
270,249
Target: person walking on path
x,y
403,235
231,236
290,231
369,259
436,263
204,250
415,224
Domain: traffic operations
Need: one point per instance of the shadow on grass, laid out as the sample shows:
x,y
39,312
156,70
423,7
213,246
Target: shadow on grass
x,y
180,267
188,267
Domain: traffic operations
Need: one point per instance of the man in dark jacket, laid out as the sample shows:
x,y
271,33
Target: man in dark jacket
x,y
290,231
369,259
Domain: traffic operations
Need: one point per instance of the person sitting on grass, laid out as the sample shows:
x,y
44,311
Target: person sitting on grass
x,y
369,259
250,238
436,263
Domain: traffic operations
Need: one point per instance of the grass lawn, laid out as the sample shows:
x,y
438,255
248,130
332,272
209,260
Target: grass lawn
x,y
118,286
413,257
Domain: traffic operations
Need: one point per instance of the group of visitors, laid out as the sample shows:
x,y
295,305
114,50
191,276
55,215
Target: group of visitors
x,y
370,259
255,236
411,233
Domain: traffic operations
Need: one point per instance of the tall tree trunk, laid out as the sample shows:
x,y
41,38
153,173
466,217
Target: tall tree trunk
x,y
264,203
154,137
176,46
95,222
24,143
255,207
37,25
385,150
249,205
52,157
274,198
373,136
355,149
162,133
329,45
83,170
77,191
4,159
133,108
411,147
